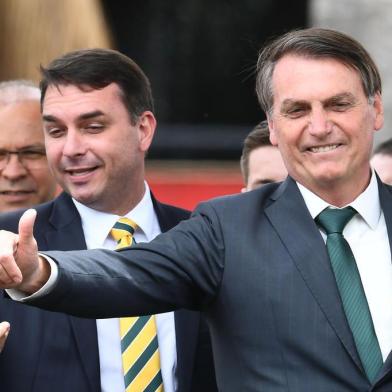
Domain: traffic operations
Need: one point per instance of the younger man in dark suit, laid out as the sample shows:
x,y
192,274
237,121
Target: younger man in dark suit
x,y
97,109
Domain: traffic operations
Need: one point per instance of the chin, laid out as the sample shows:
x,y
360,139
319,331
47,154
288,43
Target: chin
x,y
84,198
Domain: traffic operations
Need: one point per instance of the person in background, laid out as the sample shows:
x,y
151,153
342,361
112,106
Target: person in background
x,y
261,162
382,161
25,178
97,109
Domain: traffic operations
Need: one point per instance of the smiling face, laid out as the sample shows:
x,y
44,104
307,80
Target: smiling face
x,y
323,124
95,151
21,130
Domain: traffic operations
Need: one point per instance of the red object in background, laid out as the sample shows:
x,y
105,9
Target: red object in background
x,y
187,184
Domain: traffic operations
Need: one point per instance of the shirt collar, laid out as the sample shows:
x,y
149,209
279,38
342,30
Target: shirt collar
x,y
367,204
97,224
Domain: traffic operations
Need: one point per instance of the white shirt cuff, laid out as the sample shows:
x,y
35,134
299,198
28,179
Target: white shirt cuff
x,y
20,296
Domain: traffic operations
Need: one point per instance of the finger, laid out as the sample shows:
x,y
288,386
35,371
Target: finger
x,y
4,331
10,274
4,327
9,270
5,278
26,225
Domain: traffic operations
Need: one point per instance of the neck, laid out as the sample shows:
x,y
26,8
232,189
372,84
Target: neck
x,y
341,194
337,199
122,203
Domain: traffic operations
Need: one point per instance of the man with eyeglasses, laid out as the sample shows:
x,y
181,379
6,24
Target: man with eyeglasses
x,y
25,179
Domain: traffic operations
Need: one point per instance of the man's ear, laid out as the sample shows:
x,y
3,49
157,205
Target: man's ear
x,y
146,126
379,112
271,127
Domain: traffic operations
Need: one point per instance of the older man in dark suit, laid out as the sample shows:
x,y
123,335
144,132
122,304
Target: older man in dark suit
x,y
294,278
98,122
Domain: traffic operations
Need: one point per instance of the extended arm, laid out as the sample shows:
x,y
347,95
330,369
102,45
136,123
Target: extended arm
x,y
180,269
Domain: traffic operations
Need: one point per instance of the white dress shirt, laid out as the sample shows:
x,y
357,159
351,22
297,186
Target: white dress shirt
x,y
367,235
96,228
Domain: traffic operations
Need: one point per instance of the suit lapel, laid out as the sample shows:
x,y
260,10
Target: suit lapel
x,y
65,233
301,237
385,193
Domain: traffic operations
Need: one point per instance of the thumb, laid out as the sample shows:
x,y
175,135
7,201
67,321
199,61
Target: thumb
x,y
26,225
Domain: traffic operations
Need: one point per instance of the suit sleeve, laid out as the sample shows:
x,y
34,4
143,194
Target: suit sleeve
x,y
181,268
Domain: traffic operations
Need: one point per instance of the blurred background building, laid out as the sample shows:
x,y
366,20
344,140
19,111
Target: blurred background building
x,y
200,56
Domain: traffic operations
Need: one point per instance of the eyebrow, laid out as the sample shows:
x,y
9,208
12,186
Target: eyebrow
x,y
340,96
84,116
27,147
289,101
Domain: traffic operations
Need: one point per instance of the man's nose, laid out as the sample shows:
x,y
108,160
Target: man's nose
x,y
14,169
319,123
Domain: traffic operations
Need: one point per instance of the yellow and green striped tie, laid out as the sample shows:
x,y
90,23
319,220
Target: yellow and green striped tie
x,y
139,341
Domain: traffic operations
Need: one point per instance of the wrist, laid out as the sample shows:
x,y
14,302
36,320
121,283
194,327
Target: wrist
x,y
37,278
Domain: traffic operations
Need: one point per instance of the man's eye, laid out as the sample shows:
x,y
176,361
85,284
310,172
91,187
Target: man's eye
x,y
341,106
295,112
32,154
54,132
94,127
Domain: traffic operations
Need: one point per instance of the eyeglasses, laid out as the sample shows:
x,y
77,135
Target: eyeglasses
x,y
32,158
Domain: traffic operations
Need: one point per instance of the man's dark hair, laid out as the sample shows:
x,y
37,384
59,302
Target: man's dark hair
x,y
97,68
258,137
384,148
315,43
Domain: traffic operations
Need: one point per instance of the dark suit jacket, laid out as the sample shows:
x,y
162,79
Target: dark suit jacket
x,y
258,268
48,352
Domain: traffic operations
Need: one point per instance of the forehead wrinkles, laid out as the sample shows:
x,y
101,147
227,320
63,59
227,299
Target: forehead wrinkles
x,y
301,79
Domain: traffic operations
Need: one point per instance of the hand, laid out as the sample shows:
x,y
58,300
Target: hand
x,y
20,266
4,331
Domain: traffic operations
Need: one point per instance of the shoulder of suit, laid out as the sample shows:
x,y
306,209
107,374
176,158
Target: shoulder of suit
x,y
173,210
236,200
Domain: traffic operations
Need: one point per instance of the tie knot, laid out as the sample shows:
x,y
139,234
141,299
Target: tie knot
x,y
333,220
123,231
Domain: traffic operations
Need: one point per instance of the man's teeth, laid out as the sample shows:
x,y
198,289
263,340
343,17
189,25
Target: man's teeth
x,y
79,172
324,148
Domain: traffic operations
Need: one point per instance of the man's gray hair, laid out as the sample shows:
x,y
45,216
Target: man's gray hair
x,y
13,91
315,43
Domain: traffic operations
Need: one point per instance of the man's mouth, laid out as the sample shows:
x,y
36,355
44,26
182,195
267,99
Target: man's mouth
x,y
80,171
327,148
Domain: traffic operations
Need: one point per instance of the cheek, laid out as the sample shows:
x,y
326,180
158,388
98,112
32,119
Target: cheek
x,y
54,153
43,179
